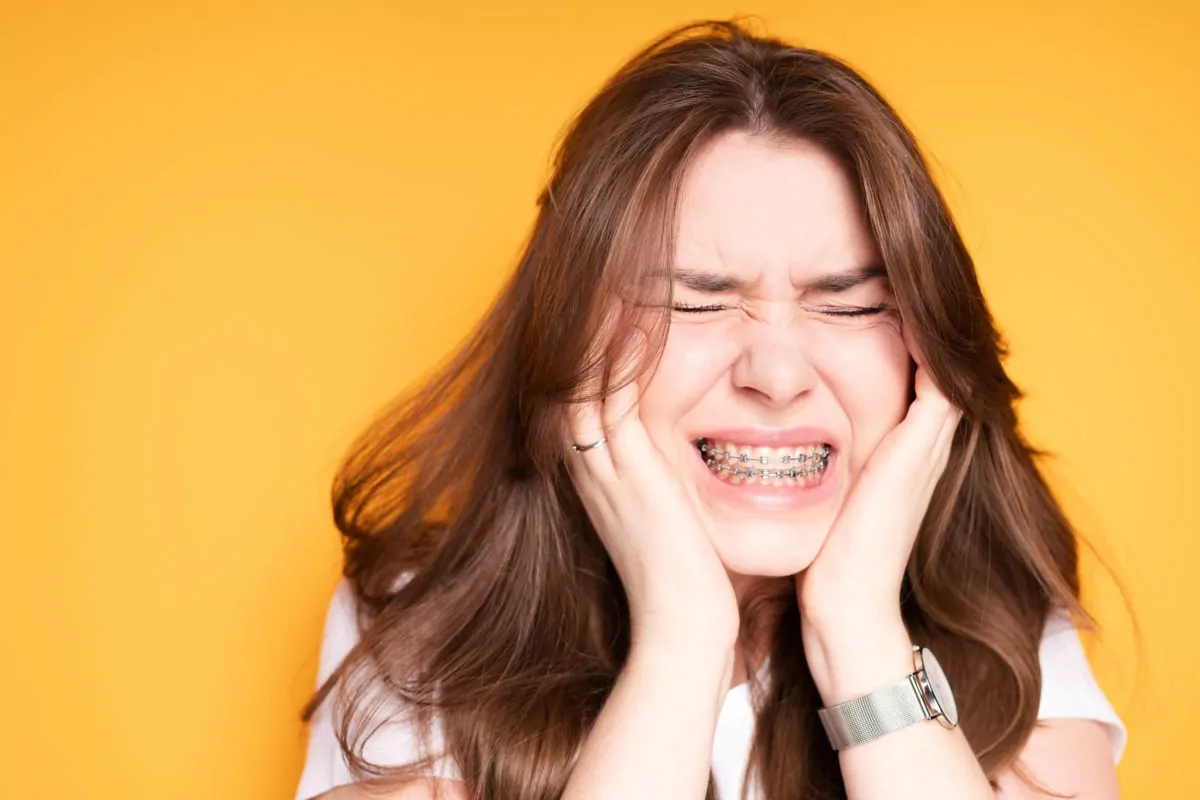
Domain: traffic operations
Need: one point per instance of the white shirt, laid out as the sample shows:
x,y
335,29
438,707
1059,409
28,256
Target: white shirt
x,y
1069,690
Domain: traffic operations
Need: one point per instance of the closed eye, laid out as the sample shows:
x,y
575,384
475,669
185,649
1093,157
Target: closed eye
x,y
832,311
854,311
688,309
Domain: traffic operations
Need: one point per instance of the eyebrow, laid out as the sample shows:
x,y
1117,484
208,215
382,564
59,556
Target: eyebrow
x,y
711,283
843,281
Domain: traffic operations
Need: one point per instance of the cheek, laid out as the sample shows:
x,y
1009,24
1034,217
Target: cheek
x,y
693,361
869,372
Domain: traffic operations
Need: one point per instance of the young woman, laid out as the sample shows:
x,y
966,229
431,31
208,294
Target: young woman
x,y
725,495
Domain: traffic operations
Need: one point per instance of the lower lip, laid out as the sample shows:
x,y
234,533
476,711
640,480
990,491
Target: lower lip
x,y
761,497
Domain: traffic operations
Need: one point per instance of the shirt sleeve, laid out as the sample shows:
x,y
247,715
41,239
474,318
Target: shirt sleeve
x,y
393,744
1069,688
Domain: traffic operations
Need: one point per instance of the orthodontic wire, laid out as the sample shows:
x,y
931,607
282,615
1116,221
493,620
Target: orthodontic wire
x,y
712,454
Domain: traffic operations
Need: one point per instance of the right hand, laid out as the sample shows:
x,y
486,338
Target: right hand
x,y
678,590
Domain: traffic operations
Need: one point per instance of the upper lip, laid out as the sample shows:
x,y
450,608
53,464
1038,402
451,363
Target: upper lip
x,y
771,437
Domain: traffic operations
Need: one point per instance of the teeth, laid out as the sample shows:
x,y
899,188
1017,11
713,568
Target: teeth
x,y
776,466
759,457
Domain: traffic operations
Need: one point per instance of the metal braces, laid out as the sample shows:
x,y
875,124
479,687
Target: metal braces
x,y
711,454
766,473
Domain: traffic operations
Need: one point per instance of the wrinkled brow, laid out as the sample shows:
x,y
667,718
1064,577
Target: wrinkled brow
x,y
714,283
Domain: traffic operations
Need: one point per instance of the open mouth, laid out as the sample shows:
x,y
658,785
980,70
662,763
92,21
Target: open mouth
x,y
801,466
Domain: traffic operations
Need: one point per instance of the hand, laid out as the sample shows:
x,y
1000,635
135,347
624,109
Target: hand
x,y
856,577
679,593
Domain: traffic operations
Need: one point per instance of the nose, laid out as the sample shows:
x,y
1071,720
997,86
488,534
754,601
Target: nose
x,y
775,367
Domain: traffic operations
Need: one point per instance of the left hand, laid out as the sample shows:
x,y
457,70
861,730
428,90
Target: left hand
x,y
856,577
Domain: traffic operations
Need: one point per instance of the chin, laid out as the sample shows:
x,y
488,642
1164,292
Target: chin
x,y
773,527
768,548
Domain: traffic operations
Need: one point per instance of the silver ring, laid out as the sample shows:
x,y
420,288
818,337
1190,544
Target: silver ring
x,y
583,448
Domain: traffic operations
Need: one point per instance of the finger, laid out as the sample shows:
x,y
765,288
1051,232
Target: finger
x,y
945,441
583,413
587,433
925,387
929,422
620,402
929,394
942,446
931,407
620,413
585,426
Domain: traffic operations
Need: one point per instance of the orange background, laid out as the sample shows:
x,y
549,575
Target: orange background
x,y
232,231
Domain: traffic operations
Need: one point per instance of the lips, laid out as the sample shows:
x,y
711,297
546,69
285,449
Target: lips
x,y
781,439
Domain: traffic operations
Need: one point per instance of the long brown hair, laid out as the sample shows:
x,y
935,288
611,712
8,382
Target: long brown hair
x,y
489,607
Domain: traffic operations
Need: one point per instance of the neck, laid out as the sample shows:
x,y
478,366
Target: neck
x,y
762,601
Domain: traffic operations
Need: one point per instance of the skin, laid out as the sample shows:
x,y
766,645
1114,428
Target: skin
x,y
775,216
775,356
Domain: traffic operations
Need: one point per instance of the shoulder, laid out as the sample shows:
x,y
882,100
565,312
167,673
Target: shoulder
x,y
1079,738
1070,757
419,790
1069,688
341,630
324,764
393,740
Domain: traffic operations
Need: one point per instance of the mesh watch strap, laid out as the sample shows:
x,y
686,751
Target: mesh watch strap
x,y
866,718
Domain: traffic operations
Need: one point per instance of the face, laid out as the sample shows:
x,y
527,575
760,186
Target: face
x,y
784,351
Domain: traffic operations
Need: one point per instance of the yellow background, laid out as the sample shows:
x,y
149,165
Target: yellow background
x,y
229,232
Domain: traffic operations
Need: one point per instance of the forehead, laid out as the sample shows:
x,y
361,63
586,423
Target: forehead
x,y
769,210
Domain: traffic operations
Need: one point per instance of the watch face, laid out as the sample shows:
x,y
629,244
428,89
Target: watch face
x,y
940,686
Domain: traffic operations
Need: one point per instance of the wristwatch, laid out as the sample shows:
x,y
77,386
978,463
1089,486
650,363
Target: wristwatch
x,y
923,695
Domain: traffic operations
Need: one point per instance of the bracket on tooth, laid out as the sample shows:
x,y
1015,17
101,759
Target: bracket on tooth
x,y
766,473
712,454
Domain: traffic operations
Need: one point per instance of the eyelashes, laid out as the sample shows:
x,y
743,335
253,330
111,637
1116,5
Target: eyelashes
x,y
831,311
855,311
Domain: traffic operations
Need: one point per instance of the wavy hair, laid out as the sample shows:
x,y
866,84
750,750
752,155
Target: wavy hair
x,y
489,609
